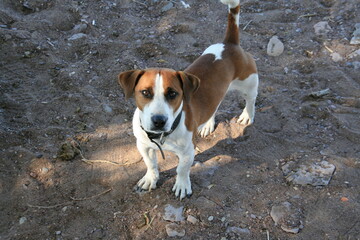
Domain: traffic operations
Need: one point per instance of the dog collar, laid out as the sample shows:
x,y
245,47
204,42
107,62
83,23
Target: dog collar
x,y
162,136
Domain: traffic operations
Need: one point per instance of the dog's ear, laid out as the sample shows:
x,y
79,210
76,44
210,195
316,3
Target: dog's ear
x,y
128,81
190,84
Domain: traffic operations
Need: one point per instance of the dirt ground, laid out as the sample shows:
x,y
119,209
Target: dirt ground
x,y
59,62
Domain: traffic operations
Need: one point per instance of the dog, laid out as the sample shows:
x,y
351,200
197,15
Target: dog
x,y
173,106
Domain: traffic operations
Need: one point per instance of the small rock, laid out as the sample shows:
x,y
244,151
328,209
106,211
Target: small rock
x,y
173,214
210,218
77,36
79,28
356,35
22,220
336,57
287,216
192,219
107,108
275,47
238,230
322,28
174,230
354,54
58,232
167,7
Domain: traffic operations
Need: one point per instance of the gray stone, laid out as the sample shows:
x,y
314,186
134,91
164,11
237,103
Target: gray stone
x,y
356,35
237,230
173,214
275,47
174,230
107,108
315,174
167,7
192,219
22,220
287,217
77,36
322,28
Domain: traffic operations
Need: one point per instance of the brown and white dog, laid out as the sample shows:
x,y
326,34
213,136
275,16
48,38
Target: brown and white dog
x,y
173,106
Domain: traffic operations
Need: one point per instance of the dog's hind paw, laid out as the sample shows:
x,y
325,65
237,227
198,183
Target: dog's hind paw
x,y
246,118
207,128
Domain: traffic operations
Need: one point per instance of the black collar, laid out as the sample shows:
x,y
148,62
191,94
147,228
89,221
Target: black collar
x,y
162,136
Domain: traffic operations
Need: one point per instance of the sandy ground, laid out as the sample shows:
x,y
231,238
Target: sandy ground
x,y
59,62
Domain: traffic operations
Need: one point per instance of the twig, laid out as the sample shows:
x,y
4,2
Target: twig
x,y
70,202
91,197
48,207
148,220
104,161
329,49
308,15
247,25
267,234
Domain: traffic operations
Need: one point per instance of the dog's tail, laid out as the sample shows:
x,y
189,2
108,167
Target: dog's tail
x,y
232,30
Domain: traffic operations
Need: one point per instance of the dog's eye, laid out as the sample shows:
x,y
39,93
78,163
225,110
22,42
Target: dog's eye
x,y
146,93
171,94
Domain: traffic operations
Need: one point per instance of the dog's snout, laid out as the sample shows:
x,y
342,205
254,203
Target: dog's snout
x,y
159,121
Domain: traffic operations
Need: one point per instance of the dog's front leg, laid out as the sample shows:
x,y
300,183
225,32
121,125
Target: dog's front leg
x,y
151,177
182,185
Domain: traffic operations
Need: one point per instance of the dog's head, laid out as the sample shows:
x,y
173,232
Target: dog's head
x,y
159,94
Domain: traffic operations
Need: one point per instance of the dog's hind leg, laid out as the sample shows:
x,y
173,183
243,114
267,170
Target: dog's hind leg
x,y
248,89
151,177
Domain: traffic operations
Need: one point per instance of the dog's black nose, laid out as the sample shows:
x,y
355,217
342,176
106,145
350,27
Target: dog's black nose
x,y
159,121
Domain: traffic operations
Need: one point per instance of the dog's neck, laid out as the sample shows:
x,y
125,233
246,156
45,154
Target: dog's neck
x,y
162,136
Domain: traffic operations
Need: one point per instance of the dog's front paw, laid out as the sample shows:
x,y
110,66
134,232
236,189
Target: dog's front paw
x,y
182,187
148,182
246,118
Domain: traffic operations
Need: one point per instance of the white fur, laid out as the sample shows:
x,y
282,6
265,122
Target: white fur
x,y
216,50
179,142
231,3
248,89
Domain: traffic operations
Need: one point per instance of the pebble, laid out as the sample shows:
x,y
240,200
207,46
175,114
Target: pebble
x,y
78,28
173,214
238,230
107,108
192,219
322,28
356,35
275,47
77,36
22,220
167,7
174,230
210,218
336,57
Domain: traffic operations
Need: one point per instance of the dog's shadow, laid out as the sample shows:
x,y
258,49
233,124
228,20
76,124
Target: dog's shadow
x,y
225,140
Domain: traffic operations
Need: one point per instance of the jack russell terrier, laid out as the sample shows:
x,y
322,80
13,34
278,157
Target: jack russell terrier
x,y
173,106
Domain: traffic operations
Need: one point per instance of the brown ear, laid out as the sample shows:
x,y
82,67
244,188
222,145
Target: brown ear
x,y
190,84
128,81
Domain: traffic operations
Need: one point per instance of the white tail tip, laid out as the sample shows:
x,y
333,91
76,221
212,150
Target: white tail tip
x,y
231,3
